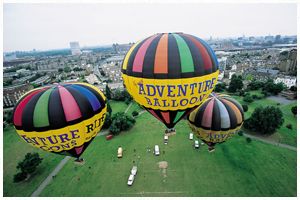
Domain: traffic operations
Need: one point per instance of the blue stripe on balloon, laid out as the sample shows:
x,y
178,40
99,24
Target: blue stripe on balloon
x,y
89,95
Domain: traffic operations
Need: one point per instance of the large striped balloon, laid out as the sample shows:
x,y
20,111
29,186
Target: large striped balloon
x,y
170,74
217,119
61,118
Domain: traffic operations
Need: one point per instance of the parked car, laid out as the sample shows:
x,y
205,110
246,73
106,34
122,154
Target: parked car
x,y
196,144
156,150
130,180
134,170
191,136
166,139
120,152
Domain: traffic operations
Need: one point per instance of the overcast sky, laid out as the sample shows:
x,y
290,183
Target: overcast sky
x,y
53,26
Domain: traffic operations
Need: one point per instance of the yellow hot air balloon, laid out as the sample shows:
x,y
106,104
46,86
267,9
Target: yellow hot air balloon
x,y
217,119
61,118
170,74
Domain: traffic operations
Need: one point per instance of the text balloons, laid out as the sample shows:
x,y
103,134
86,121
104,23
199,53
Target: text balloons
x,y
60,118
170,74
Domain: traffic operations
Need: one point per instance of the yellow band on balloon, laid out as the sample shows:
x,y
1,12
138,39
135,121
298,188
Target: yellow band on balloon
x,y
68,137
170,94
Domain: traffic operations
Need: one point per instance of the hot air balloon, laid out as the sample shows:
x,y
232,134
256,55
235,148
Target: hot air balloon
x,y
217,119
60,118
170,74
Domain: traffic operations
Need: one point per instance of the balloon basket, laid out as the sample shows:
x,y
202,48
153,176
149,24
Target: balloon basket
x,y
79,161
170,131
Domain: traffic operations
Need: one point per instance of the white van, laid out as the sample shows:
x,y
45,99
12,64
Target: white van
x,y
196,144
191,136
120,152
166,138
156,150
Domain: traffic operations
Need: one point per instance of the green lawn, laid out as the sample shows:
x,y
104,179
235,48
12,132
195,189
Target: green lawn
x,y
118,106
14,151
283,134
236,168
134,107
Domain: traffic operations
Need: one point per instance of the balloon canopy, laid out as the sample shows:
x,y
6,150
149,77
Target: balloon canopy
x,y
60,118
170,74
217,119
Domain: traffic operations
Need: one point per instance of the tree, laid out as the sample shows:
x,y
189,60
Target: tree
x,y
271,87
121,122
135,113
255,85
220,87
107,92
109,110
294,110
235,84
248,98
67,69
27,166
265,120
293,88
245,107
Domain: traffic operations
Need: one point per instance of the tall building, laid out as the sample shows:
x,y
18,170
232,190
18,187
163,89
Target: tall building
x,y
288,61
75,48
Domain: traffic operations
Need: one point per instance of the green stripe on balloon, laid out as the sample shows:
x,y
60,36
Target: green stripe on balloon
x,y
186,59
40,114
178,116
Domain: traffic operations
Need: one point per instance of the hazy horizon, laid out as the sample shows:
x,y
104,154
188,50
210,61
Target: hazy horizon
x,y
53,26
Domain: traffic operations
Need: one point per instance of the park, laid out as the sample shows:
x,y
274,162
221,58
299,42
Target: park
x,y
239,167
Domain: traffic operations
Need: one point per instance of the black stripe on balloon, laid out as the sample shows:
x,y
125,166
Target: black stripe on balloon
x,y
199,115
213,67
174,63
83,103
99,97
232,117
196,55
132,57
216,118
27,115
55,111
148,64
237,105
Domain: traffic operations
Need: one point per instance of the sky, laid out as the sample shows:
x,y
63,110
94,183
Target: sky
x,y
53,26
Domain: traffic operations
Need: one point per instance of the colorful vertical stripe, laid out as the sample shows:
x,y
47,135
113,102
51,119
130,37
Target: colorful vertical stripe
x,y
170,55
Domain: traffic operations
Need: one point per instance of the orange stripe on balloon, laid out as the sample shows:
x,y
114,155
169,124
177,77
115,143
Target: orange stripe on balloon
x,y
161,56
166,116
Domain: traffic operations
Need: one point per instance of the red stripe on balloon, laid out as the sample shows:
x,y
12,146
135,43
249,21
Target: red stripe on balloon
x,y
71,108
19,109
140,55
207,115
78,150
205,56
166,116
154,114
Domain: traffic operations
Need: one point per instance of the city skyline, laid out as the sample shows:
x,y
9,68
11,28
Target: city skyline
x,y
104,24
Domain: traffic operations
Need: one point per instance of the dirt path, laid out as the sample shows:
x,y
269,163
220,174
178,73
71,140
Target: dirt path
x,y
271,142
128,107
42,186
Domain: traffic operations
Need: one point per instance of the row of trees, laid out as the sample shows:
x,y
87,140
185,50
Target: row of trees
x,y
118,95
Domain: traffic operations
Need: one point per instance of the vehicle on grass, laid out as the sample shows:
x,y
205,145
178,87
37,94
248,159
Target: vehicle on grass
x,y
156,150
166,139
130,180
191,136
196,144
120,152
134,170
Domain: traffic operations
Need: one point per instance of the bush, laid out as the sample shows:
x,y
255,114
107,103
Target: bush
x,y
241,93
135,113
248,99
294,110
240,133
289,126
265,120
254,96
121,122
30,163
20,177
248,139
245,107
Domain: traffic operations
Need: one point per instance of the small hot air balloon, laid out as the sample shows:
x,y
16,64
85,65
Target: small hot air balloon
x,y
217,119
170,74
61,118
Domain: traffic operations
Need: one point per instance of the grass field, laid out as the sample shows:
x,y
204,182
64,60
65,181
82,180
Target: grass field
x,y
118,106
14,151
283,134
236,168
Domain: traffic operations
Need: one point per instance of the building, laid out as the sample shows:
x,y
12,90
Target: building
x,y
12,94
287,80
75,48
288,61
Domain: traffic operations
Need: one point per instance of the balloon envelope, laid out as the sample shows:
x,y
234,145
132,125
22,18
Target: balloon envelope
x,y
217,119
170,74
60,118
